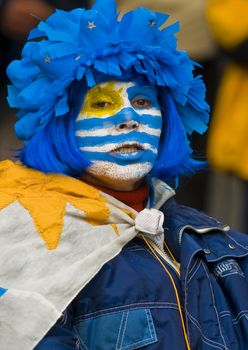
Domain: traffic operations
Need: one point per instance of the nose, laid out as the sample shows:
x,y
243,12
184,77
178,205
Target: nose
x,y
129,120
128,125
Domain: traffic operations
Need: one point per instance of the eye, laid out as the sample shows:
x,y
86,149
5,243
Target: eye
x,y
140,102
101,105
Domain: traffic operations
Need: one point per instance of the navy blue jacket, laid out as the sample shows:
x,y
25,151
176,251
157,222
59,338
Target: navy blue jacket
x,y
131,304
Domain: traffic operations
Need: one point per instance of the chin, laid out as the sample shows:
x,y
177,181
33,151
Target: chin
x,y
114,174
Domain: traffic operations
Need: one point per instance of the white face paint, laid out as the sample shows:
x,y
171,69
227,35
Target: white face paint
x,y
118,130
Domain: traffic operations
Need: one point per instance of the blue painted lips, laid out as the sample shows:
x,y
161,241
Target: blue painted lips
x,y
120,152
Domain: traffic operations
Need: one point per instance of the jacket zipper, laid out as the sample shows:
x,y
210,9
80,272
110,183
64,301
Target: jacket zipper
x,y
175,266
160,256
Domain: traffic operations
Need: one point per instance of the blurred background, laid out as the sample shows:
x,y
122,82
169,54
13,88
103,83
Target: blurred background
x,y
215,34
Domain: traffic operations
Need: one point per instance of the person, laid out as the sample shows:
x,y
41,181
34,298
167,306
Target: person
x,y
195,38
95,252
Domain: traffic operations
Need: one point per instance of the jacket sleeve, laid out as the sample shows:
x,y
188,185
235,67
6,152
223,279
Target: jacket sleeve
x,y
61,336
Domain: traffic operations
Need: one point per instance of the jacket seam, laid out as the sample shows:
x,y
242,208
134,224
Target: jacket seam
x,y
237,318
225,313
135,306
78,343
192,268
139,343
123,318
81,341
83,318
148,323
197,324
153,335
239,244
152,338
215,308
204,338
213,260
186,293
194,273
119,347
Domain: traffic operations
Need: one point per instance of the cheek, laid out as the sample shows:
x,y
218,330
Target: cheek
x,y
158,125
161,125
90,139
88,131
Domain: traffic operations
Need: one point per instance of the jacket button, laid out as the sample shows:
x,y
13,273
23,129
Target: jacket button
x,y
231,246
207,251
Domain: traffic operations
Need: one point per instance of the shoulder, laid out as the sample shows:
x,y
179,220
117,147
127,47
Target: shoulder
x,y
177,216
190,230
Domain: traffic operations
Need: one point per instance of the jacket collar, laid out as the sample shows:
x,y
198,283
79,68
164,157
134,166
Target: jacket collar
x,y
190,230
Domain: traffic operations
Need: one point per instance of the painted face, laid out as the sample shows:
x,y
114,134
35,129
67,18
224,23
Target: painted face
x,y
118,130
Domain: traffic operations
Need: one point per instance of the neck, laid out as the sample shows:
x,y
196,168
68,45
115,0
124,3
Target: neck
x,y
136,199
122,185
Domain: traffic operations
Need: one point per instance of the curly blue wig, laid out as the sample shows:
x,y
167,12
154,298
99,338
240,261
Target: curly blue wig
x,y
71,52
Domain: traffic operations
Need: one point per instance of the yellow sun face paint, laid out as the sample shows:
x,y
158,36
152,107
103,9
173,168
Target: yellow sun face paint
x,y
102,100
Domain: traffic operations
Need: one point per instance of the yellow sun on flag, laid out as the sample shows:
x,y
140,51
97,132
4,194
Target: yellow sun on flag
x,y
45,197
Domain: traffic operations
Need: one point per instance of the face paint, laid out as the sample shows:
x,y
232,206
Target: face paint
x,y
102,100
118,130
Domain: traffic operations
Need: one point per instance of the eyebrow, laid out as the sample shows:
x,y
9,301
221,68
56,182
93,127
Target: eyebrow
x,y
144,89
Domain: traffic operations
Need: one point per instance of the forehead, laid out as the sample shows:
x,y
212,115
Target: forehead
x,y
118,84
125,86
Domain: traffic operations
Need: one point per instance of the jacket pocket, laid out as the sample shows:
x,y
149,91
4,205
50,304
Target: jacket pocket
x,y
122,330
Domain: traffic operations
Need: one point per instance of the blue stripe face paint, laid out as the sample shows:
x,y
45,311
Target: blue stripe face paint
x,y
99,141
101,123
118,130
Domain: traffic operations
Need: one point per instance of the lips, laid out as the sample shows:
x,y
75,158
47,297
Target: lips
x,y
128,148
127,152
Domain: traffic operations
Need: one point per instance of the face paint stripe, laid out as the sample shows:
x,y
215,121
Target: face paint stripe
x,y
115,167
147,157
97,123
154,112
110,147
112,131
117,139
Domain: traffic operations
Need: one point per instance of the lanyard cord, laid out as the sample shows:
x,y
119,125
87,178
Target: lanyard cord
x,y
175,290
171,255
170,252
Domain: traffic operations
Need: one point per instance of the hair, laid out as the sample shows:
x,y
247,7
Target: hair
x,y
54,149
70,50
175,156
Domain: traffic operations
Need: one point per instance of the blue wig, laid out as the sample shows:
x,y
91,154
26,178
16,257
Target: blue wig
x,y
71,52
